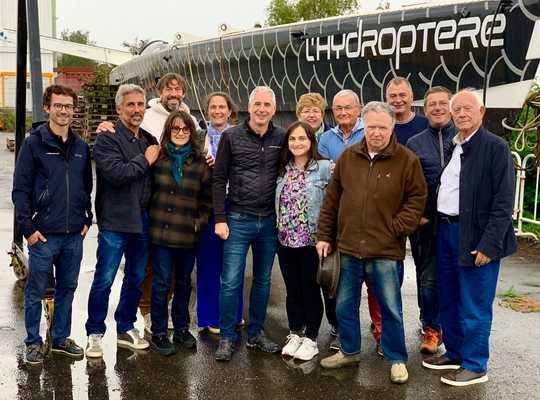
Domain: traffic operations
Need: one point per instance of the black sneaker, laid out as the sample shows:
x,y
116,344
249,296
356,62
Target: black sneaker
x,y
68,348
334,344
333,331
185,338
440,363
262,343
378,349
464,377
34,354
161,344
225,350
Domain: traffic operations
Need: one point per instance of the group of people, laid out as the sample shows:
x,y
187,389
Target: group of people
x,y
171,195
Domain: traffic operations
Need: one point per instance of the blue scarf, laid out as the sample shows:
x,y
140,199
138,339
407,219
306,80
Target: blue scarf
x,y
179,156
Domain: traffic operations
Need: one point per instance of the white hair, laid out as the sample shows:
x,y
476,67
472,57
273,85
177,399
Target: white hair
x,y
472,91
346,92
262,89
126,89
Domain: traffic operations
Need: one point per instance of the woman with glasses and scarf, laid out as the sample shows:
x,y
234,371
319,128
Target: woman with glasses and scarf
x,y
180,209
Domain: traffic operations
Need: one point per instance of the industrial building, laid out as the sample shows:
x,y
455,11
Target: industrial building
x,y
8,53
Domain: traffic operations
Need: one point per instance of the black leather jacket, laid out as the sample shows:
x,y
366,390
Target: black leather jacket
x,y
249,164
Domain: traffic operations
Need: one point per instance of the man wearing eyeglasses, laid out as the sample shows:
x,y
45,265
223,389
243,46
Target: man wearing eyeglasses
x,y
349,129
51,194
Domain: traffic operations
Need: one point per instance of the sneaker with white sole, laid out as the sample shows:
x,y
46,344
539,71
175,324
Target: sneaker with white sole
x,y
132,340
93,347
307,350
293,344
398,373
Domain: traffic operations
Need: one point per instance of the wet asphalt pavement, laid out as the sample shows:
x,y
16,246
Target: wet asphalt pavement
x,y
193,374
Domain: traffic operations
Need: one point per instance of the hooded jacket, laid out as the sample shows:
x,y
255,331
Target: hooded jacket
x,y
52,183
156,115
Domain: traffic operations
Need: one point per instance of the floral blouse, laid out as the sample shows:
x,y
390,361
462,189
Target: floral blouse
x,y
293,229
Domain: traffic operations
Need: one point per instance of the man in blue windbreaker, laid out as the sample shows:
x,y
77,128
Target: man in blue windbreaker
x,y
51,194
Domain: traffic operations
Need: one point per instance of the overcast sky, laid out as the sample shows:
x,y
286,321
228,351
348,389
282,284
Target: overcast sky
x,y
110,22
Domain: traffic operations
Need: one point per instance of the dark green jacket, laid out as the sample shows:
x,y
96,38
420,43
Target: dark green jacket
x,y
179,213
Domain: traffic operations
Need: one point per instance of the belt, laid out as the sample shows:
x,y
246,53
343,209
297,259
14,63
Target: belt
x,y
448,219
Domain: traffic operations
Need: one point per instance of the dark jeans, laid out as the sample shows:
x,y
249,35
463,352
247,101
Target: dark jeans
x,y
167,259
260,233
65,253
304,304
466,302
385,278
111,247
425,259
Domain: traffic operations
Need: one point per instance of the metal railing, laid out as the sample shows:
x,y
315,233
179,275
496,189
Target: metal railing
x,y
519,202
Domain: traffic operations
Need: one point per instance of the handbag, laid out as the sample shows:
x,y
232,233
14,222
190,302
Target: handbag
x,y
328,273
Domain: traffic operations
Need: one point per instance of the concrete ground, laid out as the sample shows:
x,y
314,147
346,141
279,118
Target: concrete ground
x,y
514,365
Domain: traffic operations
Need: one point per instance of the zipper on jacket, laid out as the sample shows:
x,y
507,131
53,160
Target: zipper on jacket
x,y
441,148
67,196
364,203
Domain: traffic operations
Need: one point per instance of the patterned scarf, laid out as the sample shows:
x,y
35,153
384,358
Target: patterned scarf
x,y
179,156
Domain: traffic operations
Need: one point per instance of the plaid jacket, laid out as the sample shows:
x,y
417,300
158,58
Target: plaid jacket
x,y
179,213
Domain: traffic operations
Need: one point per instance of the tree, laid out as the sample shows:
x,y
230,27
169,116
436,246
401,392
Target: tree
x,y
136,46
288,11
78,36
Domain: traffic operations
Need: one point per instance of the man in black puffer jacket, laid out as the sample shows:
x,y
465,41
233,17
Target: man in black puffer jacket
x,y
51,193
432,148
247,160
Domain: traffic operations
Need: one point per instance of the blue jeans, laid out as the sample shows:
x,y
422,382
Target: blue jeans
x,y
111,247
65,253
425,260
385,278
260,233
466,302
165,259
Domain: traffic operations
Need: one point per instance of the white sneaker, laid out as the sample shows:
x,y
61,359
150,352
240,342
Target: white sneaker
x,y
398,373
307,350
293,343
132,340
148,324
93,347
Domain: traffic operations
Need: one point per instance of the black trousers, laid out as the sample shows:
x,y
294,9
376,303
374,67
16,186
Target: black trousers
x,y
304,303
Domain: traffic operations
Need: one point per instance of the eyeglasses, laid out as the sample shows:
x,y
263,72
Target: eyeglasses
x,y
343,108
60,106
177,130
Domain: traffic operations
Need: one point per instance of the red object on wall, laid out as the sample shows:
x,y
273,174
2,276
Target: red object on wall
x,y
74,77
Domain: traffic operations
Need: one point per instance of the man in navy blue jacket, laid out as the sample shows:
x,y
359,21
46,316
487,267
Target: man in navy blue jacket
x,y
431,146
51,194
474,205
123,191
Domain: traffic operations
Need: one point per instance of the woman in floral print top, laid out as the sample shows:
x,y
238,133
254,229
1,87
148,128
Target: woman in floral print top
x,y
302,181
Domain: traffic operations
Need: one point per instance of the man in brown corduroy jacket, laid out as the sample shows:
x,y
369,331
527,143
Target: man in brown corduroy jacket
x,y
373,202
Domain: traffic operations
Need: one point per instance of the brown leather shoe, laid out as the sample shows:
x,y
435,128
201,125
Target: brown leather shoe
x,y
464,377
431,341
